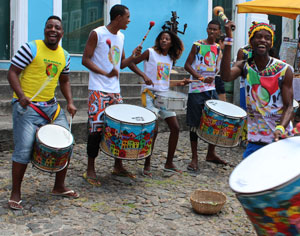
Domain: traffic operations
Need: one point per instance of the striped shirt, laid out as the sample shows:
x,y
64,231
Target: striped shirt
x,y
27,53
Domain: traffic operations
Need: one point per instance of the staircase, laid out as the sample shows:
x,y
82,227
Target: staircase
x,y
130,90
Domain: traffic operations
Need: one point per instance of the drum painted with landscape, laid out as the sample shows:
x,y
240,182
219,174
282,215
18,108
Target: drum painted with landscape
x,y
221,123
267,185
53,148
128,132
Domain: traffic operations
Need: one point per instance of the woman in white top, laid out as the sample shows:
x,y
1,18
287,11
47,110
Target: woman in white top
x,y
158,62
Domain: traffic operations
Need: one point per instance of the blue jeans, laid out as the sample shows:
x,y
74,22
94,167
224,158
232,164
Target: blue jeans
x,y
251,148
25,124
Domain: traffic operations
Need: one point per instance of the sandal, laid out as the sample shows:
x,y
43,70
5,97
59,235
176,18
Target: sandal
x,y
192,169
15,205
93,181
146,173
174,170
69,194
123,173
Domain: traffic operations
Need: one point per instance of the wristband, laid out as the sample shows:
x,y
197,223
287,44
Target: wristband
x,y
227,39
228,43
281,128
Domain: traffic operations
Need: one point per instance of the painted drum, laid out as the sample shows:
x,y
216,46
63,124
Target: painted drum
x,y
170,100
128,132
53,148
267,184
221,123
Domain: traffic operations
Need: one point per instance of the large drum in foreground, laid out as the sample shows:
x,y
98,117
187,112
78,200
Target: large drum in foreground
x,y
267,183
170,100
53,148
221,123
128,132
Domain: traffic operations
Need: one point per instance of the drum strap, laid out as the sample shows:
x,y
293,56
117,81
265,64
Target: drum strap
x,y
44,115
143,96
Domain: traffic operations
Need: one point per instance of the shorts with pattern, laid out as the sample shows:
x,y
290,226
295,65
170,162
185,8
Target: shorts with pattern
x,y
98,101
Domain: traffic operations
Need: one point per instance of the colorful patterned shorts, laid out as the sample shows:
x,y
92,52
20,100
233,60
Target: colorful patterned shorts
x,y
98,101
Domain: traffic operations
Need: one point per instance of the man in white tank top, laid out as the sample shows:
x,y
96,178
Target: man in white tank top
x,y
104,56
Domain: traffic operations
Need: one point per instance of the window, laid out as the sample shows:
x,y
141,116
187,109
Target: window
x,y
5,30
79,18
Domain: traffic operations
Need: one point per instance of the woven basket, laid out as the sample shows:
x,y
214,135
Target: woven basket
x,y
207,202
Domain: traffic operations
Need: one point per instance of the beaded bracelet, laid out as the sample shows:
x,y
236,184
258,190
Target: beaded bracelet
x,y
281,128
227,39
228,43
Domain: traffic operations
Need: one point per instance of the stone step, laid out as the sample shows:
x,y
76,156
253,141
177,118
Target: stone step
x,y
82,77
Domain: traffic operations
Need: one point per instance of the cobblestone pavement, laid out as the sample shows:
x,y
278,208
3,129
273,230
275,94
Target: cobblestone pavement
x,y
121,206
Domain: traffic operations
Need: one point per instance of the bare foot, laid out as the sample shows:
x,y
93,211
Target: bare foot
x,y
215,159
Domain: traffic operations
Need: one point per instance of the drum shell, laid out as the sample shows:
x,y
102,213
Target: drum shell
x,y
219,129
164,102
267,185
282,214
129,141
48,158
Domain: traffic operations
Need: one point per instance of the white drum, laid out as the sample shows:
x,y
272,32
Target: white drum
x,y
170,100
267,185
221,123
53,148
128,131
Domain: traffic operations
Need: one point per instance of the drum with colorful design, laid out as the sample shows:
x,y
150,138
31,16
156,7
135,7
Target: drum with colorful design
x,y
53,148
128,132
221,123
267,183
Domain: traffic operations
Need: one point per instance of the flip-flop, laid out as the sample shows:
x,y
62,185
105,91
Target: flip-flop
x,y
220,162
123,173
93,181
147,173
15,205
193,169
69,194
174,170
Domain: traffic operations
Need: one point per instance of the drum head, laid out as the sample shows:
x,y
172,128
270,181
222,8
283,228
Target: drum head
x,y
55,136
268,167
171,94
225,108
130,114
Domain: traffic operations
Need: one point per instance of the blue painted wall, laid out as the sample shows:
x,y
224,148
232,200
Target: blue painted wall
x,y
38,12
192,12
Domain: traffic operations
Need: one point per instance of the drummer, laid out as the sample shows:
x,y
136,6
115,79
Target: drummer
x,y
36,62
202,64
158,62
268,83
104,83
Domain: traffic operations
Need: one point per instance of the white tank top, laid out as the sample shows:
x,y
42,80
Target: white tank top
x,y
158,69
102,59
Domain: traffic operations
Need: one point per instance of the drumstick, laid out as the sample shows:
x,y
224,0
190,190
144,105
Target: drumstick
x,y
108,42
219,11
70,136
152,23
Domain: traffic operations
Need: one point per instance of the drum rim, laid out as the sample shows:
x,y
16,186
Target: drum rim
x,y
129,123
227,116
36,135
251,194
50,171
274,186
